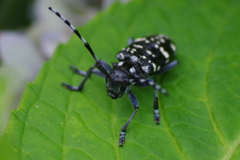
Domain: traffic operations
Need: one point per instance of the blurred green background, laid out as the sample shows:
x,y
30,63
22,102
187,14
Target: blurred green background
x,y
28,38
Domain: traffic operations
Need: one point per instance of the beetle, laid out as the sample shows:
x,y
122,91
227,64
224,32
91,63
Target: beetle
x,y
143,58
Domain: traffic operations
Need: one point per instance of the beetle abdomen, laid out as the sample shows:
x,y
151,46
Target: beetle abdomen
x,y
151,53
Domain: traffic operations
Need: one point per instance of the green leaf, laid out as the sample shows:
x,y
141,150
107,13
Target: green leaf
x,y
199,120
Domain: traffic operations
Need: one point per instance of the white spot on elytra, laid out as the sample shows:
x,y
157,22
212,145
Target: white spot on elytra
x,y
148,52
173,47
144,57
165,54
132,70
120,63
137,46
154,66
162,40
120,56
139,39
133,50
147,41
134,58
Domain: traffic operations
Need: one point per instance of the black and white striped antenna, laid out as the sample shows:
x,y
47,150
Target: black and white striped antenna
x,y
76,32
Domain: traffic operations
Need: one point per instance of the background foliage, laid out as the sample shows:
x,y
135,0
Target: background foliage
x,y
13,14
200,118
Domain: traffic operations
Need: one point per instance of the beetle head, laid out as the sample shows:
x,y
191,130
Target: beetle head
x,y
117,83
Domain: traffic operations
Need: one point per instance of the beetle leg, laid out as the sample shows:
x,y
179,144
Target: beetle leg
x,y
87,75
80,87
94,71
83,73
124,128
151,82
156,107
167,67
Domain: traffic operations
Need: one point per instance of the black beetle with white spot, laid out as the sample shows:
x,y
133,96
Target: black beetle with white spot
x,y
143,58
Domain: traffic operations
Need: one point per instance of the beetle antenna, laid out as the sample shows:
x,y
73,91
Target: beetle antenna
x,y
76,32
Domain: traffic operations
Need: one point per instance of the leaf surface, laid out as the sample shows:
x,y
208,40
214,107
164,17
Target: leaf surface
x,y
199,120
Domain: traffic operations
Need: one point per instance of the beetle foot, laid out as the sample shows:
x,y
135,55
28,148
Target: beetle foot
x,y
156,117
122,138
73,88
